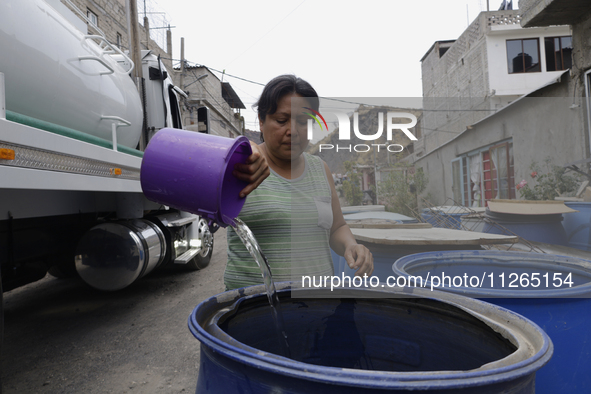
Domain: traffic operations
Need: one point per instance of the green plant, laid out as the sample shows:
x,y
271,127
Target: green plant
x,y
400,188
547,182
352,186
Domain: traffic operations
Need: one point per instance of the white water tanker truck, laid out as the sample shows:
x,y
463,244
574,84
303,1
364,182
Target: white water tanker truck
x,y
70,121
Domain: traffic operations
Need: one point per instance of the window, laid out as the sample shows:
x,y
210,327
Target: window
x,y
484,175
467,185
174,108
456,170
523,56
92,17
558,53
501,179
119,40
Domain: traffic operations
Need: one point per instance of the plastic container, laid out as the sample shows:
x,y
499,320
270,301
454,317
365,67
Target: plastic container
x,y
564,313
192,172
384,257
576,225
445,216
472,222
429,341
389,216
540,228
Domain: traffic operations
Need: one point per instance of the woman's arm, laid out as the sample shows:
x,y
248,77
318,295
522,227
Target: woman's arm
x,y
342,241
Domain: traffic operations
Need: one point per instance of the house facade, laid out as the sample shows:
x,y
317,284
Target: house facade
x,y
497,100
211,104
577,14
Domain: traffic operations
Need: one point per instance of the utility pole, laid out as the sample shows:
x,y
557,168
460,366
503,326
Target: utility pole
x,y
136,56
182,64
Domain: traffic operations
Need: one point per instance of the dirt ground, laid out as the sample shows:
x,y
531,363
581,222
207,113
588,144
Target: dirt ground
x,y
61,336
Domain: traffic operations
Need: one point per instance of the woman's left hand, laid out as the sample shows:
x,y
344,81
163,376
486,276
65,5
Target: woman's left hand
x,y
359,258
254,171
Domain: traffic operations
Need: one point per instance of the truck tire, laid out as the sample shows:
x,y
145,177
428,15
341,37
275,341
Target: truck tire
x,y
204,256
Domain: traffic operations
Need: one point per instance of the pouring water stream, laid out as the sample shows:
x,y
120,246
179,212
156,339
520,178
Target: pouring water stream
x,y
248,239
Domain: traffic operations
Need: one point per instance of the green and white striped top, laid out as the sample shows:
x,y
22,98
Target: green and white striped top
x,y
291,220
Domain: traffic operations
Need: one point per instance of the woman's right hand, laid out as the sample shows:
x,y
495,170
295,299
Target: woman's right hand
x,y
359,258
254,171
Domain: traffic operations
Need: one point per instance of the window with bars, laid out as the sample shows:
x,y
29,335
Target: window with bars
x,y
484,175
558,52
523,56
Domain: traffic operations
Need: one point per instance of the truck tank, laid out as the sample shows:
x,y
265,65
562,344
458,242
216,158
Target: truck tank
x,y
56,73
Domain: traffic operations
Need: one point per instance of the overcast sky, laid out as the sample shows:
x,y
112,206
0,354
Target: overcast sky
x,y
369,48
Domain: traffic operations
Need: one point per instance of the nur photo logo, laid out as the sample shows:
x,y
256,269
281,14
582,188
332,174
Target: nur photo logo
x,y
394,122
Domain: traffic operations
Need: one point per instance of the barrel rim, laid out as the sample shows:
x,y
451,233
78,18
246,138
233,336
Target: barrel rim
x,y
387,379
225,215
401,265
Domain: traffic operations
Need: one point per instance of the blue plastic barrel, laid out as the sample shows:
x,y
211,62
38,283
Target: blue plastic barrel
x,y
539,228
564,312
384,256
445,216
357,341
577,225
388,216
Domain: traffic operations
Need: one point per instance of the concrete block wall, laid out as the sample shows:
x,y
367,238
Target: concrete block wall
x,y
540,126
462,72
581,48
207,92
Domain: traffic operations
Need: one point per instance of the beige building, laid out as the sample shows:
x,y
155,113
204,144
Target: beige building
x,y
205,90
493,63
577,14
504,96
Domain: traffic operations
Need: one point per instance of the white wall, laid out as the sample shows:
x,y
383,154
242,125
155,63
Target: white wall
x,y
500,80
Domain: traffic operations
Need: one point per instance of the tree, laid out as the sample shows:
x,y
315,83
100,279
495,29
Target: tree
x,y
400,188
352,186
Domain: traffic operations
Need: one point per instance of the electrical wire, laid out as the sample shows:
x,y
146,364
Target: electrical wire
x,y
332,98
255,123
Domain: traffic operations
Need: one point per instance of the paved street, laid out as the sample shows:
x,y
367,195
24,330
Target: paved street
x,y
63,337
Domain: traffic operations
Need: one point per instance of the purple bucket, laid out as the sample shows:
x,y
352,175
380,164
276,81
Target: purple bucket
x,y
192,172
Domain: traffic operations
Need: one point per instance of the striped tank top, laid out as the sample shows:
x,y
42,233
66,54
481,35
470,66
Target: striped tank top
x,y
291,220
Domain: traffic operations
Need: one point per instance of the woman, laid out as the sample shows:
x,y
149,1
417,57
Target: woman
x,y
294,213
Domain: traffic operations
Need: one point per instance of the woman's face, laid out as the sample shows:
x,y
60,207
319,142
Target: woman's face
x,y
285,132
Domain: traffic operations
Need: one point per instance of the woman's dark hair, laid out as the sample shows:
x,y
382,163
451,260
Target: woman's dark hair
x,y
279,87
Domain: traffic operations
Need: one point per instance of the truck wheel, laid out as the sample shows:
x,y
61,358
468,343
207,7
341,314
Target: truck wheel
x,y
204,256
